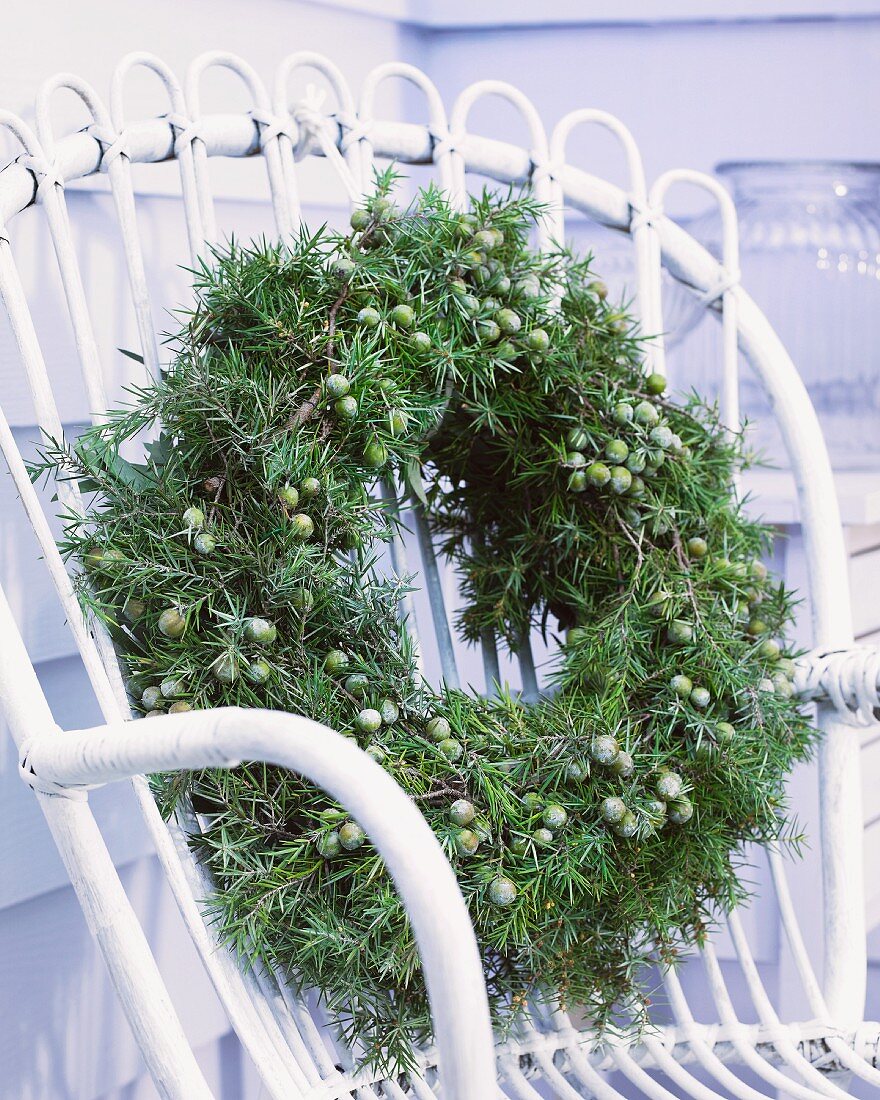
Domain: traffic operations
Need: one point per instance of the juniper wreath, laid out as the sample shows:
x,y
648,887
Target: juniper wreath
x,y
594,832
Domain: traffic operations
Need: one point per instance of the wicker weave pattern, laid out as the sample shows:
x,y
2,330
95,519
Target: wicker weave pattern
x,y
295,1053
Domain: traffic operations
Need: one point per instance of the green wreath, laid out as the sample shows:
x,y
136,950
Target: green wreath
x,y
593,832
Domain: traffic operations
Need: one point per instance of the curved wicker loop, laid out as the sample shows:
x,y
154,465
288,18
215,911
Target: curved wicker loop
x,y
438,124
51,192
637,187
179,123
539,151
345,116
32,151
267,126
730,276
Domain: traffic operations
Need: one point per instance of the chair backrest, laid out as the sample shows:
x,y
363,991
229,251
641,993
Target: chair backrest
x,y
289,138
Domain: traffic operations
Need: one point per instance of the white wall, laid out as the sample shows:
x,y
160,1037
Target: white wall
x,y
693,91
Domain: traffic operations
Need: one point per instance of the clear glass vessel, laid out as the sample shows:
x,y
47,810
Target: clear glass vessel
x,y
810,257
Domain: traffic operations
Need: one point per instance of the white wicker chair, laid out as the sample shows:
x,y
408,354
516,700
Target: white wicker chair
x,y
829,1047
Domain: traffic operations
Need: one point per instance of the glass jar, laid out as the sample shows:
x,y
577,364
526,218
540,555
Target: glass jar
x,y
810,257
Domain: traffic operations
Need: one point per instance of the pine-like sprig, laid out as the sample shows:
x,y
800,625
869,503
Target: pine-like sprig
x,y
242,558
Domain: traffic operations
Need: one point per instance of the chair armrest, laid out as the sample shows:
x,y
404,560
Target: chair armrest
x,y
223,737
848,679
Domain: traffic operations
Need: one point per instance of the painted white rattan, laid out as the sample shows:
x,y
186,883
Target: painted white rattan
x,y
816,1056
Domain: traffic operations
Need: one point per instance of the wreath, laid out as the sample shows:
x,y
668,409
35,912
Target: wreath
x,y
595,832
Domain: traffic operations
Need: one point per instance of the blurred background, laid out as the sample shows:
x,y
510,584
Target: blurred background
x,y
780,93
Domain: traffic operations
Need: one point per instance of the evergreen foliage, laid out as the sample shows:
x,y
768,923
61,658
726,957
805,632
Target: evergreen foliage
x,y
593,832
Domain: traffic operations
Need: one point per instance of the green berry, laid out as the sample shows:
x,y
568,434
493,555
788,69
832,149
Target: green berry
x,y
346,408
622,413
668,785
289,496
604,749
661,437
375,455
533,801
724,732
679,632
94,559
766,685
783,687
786,665
438,729
620,480
528,287
462,812
450,748
133,610
485,240
656,811
770,649
627,827
575,460
599,289
554,816
343,267
351,836
390,711
471,306
329,845
577,481
337,385
681,685
623,765
645,414
421,341
616,451
357,684
302,526
260,631
369,317
368,720
637,488
681,810
613,810
194,517
258,672
757,627
508,321
598,474
310,488
336,662
538,340
180,707
542,838
502,892
697,547
466,842
519,845
359,220
403,316
171,623
225,668
302,599
171,687
152,697
576,439
758,570
204,543
700,698
490,331
636,463
375,753
655,383
154,714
